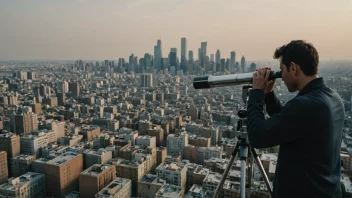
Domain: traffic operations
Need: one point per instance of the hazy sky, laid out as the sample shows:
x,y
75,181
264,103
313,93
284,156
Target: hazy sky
x,y
109,29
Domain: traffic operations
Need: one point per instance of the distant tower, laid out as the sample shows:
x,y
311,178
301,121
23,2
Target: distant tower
x,y
232,61
212,59
183,49
253,67
157,55
203,53
243,64
146,80
190,57
217,57
173,57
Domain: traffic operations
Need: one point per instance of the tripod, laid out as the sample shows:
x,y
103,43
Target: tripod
x,y
246,152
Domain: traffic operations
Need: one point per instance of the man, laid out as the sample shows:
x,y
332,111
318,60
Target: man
x,y
308,128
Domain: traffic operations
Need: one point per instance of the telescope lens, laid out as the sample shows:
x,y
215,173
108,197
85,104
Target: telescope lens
x,y
242,113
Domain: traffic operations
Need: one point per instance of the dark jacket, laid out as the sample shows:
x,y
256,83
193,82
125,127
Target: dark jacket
x,y
309,131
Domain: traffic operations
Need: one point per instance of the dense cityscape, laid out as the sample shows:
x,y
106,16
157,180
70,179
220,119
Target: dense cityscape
x,y
136,127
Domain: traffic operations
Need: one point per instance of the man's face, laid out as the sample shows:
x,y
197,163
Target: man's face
x,y
288,77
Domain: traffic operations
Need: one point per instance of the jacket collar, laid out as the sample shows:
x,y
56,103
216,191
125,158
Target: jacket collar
x,y
312,85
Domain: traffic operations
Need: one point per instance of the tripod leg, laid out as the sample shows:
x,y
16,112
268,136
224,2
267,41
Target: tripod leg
x,y
250,172
243,157
227,170
262,171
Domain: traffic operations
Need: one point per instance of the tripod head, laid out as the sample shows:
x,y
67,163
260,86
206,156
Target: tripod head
x,y
242,113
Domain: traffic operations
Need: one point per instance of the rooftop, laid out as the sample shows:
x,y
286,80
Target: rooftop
x,y
269,156
95,170
213,177
171,167
18,182
8,135
24,157
169,191
62,159
114,187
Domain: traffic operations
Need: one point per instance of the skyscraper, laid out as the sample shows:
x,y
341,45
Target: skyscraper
x,y
62,87
203,53
4,174
147,60
62,174
157,55
222,64
146,80
173,57
232,61
183,49
74,88
190,57
243,64
217,57
131,59
212,59
253,67
24,123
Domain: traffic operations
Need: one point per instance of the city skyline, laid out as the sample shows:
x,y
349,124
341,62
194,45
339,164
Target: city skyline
x,y
64,31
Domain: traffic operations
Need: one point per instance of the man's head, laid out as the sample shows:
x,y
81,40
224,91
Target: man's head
x,y
299,61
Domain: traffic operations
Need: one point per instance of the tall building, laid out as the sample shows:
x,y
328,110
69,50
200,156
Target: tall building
x,y
243,65
212,58
183,49
149,185
232,60
10,143
253,67
119,188
57,127
176,143
146,80
31,75
21,164
44,90
22,75
62,174
95,178
62,87
222,65
24,123
148,59
4,173
157,56
190,57
31,143
61,98
29,185
100,156
173,173
217,57
173,58
74,88
203,53
37,108
193,112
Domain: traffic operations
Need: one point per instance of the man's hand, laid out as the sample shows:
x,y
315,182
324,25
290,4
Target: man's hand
x,y
260,80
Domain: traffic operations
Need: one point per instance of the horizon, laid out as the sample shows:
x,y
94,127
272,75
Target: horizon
x,y
99,30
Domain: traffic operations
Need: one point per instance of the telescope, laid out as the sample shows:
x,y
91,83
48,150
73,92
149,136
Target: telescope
x,y
206,82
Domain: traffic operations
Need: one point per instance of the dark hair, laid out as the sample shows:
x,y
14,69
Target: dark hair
x,y
300,52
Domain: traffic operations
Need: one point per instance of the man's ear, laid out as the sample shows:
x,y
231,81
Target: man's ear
x,y
294,68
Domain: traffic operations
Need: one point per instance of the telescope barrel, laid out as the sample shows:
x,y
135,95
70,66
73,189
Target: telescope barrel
x,y
206,82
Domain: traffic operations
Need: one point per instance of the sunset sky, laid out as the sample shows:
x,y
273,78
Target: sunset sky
x,y
109,29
